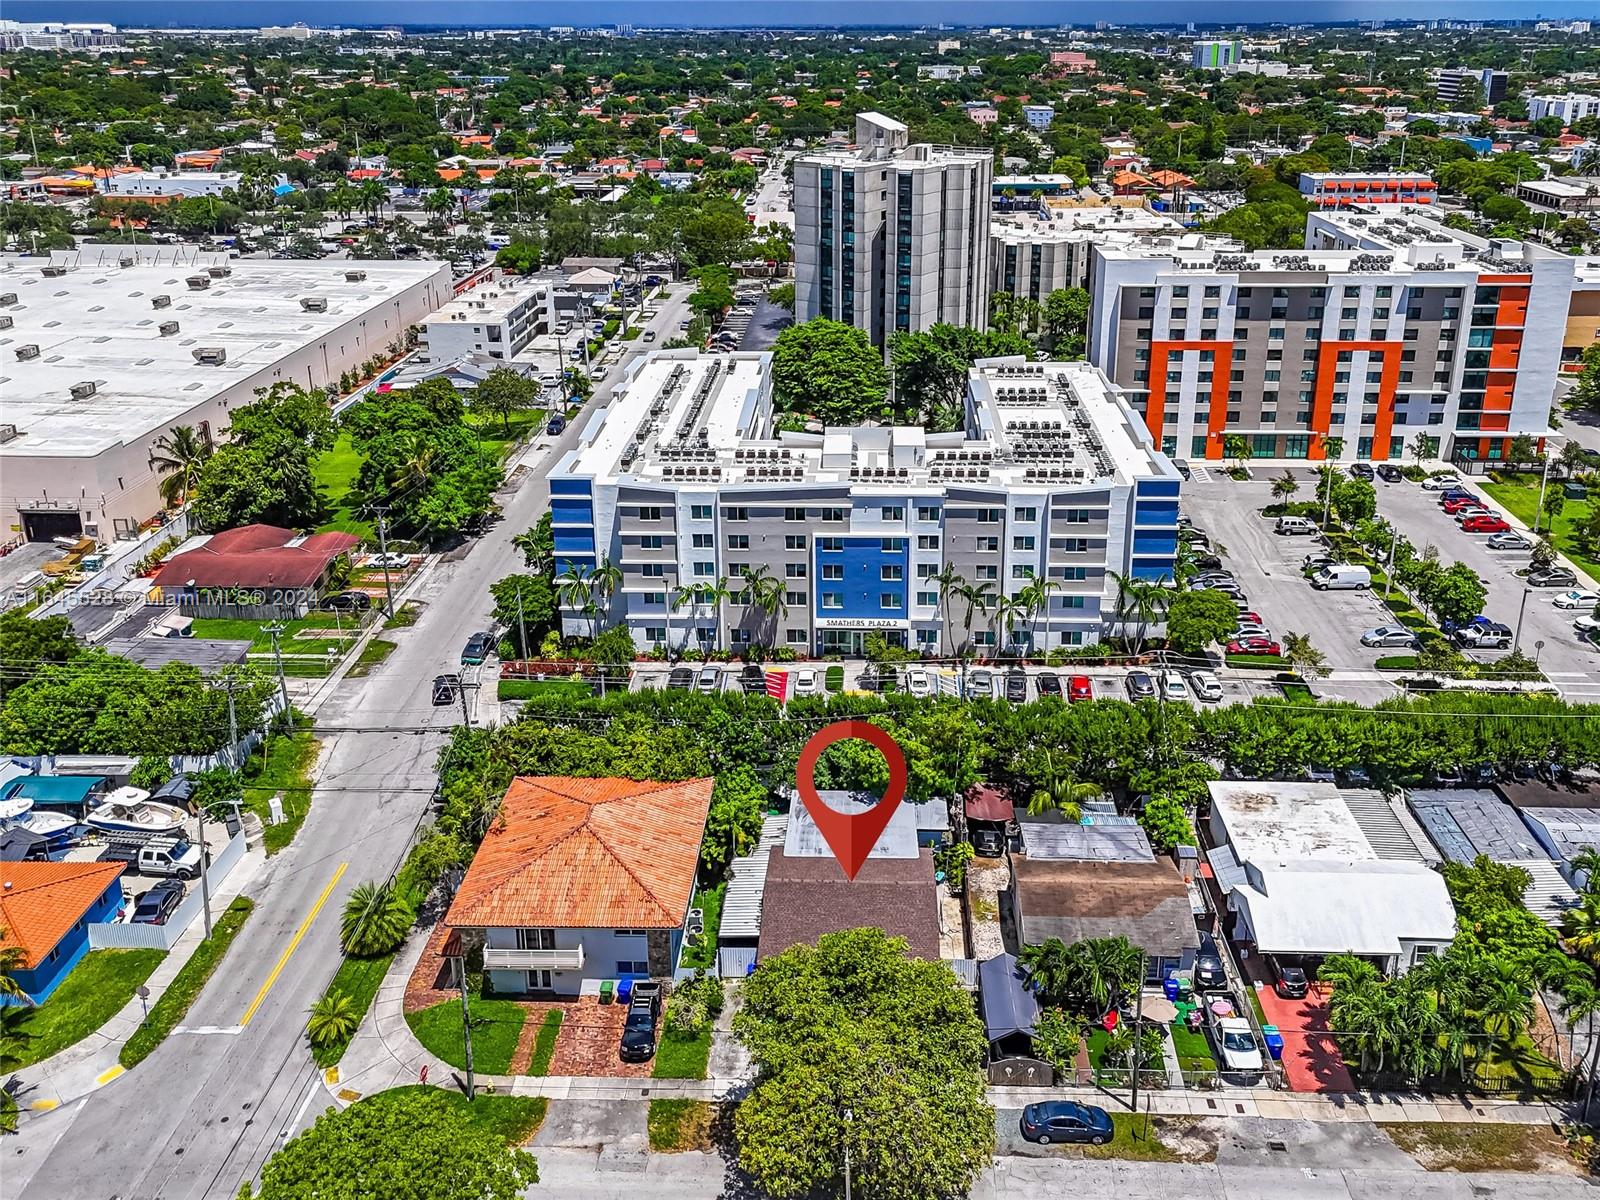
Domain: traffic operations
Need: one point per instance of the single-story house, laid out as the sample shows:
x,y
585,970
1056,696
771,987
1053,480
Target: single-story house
x,y
583,880
1010,1007
1073,900
1467,822
1563,818
277,567
1308,871
46,909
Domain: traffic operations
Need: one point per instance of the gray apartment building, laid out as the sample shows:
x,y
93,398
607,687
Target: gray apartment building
x,y
683,482
890,236
1032,254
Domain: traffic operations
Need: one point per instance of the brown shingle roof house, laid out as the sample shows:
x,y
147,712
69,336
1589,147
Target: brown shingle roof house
x,y
809,896
1145,902
256,556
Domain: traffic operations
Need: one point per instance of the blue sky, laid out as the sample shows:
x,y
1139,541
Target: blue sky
x,y
734,13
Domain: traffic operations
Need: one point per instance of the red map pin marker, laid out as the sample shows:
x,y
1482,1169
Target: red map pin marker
x,y
850,836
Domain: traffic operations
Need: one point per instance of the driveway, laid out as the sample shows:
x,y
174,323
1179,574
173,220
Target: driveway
x,y
1311,1057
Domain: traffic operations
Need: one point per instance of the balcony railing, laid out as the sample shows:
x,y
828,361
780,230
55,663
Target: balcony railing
x,y
533,960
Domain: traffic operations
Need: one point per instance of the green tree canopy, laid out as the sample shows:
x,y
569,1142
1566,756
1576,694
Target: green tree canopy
x,y
26,644
830,371
1198,619
502,392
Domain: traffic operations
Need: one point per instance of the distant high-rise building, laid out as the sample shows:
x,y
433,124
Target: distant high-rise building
x,y
890,236
58,35
1210,54
1569,108
1451,81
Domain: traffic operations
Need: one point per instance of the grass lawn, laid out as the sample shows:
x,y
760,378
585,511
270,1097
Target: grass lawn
x,y
1140,1138
290,641
679,1125
1254,660
496,441
374,653
1194,1052
1095,1041
405,616
335,473
1507,1067
544,1046
833,678
93,992
682,1056
496,1025
1519,494
705,954
359,979
527,689
514,1118
1398,662
282,767
1448,1146
173,1006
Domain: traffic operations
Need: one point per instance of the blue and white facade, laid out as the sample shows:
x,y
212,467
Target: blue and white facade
x,y
682,480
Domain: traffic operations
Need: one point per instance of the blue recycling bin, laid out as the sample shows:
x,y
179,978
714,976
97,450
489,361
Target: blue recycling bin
x,y
1274,1041
624,991
1169,986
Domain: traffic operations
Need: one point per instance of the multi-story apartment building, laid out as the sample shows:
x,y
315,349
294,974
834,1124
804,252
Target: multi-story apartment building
x,y
892,237
1493,83
683,481
1032,254
1342,189
1210,54
1373,334
1574,106
497,318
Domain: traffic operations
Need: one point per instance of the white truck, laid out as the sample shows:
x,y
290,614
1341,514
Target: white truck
x,y
1236,1047
158,857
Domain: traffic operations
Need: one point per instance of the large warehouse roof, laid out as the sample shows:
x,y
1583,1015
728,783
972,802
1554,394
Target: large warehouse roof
x,y
97,323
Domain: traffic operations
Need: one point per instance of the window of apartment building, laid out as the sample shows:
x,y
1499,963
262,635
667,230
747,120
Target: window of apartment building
x,y
1074,545
794,514
1235,376
989,545
702,541
990,516
888,600
738,541
736,514
928,541
1203,377
653,570
1272,376
1269,418
705,568
736,637
928,598
1381,313
1409,335
1208,314
1181,291
1025,514
1347,314
1021,572
1338,376
700,512
655,597
1233,415
891,574
983,637
1074,574
736,569
1352,290
794,570
1022,543
1275,333
1145,313
832,572
1074,602
655,633
1175,376
891,545
1275,355
794,599
830,544
1213,291
1147,293
832,514
649,513
794,541
795,637
1180,314
650,541
928,637
832,599
894,512
927,570
1076,516
1175,334
988,572
927,512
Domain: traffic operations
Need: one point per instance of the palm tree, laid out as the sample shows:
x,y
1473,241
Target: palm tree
x,y
1586,862
1302,656
716,594
684,594
1061,790
1237,447
764,591
979,596
535,550
1580,926
1111,967
1332,448
1007,611
372,196
333,1019
574,589
1285,485
1503,1003
342,199
376,919
440,203
1051,969
1581,1002
951,583
1142,601
1036,598
605,581
178,456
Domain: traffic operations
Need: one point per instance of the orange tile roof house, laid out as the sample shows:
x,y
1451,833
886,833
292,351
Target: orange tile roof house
x,y
583,880
46,909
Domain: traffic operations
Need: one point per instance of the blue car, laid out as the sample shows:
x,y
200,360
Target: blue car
x,y
1066,1121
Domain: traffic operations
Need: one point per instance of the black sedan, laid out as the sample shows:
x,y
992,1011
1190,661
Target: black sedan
x,y
680,678
1141,685
1049,683
1362,471
445,688
156,905
1066,1121
346,602
1390,473
1209,975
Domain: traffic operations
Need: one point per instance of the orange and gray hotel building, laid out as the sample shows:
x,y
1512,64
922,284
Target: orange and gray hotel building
x,y
1385,327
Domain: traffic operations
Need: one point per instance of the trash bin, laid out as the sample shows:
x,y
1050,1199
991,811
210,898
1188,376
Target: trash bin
x,y
1185,986
605,991
1274,1041
1169,987
624,990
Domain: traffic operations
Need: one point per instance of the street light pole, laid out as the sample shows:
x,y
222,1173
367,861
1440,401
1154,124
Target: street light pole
x,y
1544,478
848,1117
1516,640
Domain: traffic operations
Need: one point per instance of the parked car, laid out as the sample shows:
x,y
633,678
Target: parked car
x,y
1385,636
1509,541
1577,599
1173,686
918,682
556,425
1247,617
445,688
1296,527
1141,685
1079,688
1237,1051
805,681
1255,645
980,685
1390,473
1552,577
709,680
682,679
1048,683
1249,629
1342,577
1490,635
648,336
1485,523
346,602
1288,980
156,905
1316,560
1586,625
1209,973
639,1027
1206,579
1362,470
477,649
394,560
1442,482
1207,562
169,857
1016,687
1182,468
1455,504
1205,685
1066,1121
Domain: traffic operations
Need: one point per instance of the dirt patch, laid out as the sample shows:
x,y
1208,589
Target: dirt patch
x,y
1448,1146
680,1125
1156,1139
986,879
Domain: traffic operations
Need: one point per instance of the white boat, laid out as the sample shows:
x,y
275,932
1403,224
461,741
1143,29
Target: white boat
x,y
130,810
55,828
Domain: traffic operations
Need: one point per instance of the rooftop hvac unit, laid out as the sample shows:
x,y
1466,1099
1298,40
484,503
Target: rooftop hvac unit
x,y
314,303
24,353
212,355
7,299
126,261
53,271
198,283
160,301
355,276
6,322
7,433
219,272
168,328
82,391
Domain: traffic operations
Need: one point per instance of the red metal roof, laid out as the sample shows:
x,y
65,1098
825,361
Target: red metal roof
x,y
987,803
256,556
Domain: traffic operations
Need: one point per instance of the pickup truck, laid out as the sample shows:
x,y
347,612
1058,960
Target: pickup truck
x,y
639,1029
171,857
1236,1047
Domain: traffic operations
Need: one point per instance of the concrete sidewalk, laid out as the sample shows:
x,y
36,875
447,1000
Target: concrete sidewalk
x,y
92,1063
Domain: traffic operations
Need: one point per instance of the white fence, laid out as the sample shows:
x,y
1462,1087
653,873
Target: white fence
x,y
128,936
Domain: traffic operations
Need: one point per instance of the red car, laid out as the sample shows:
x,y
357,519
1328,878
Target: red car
x,y
1454,506
1078,688
1250,618
1485,524
1256,645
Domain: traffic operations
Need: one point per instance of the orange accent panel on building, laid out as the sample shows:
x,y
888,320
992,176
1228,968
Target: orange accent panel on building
x,y
1322,402
1216,413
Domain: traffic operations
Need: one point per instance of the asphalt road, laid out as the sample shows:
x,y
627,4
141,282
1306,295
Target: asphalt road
x,y
205,1111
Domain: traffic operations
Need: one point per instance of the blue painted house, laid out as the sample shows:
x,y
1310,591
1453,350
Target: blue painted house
x,y
46,909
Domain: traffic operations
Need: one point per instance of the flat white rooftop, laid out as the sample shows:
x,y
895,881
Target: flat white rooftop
x,y
97,324
1269,821
1082,224
489,301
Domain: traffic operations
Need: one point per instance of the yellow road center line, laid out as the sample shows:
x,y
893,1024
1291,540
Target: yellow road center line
x,y
106,1077
283,959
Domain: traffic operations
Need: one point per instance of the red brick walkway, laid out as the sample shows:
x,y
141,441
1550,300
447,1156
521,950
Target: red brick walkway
x,y
1311,1057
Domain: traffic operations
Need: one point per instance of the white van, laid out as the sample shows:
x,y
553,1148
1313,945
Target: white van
x,y
1341,577
1296,526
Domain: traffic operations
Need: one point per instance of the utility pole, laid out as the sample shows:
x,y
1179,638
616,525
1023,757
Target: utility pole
x,y
1138,1016
383,554
522,625
848,1117
466,1024
466,712
275,631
